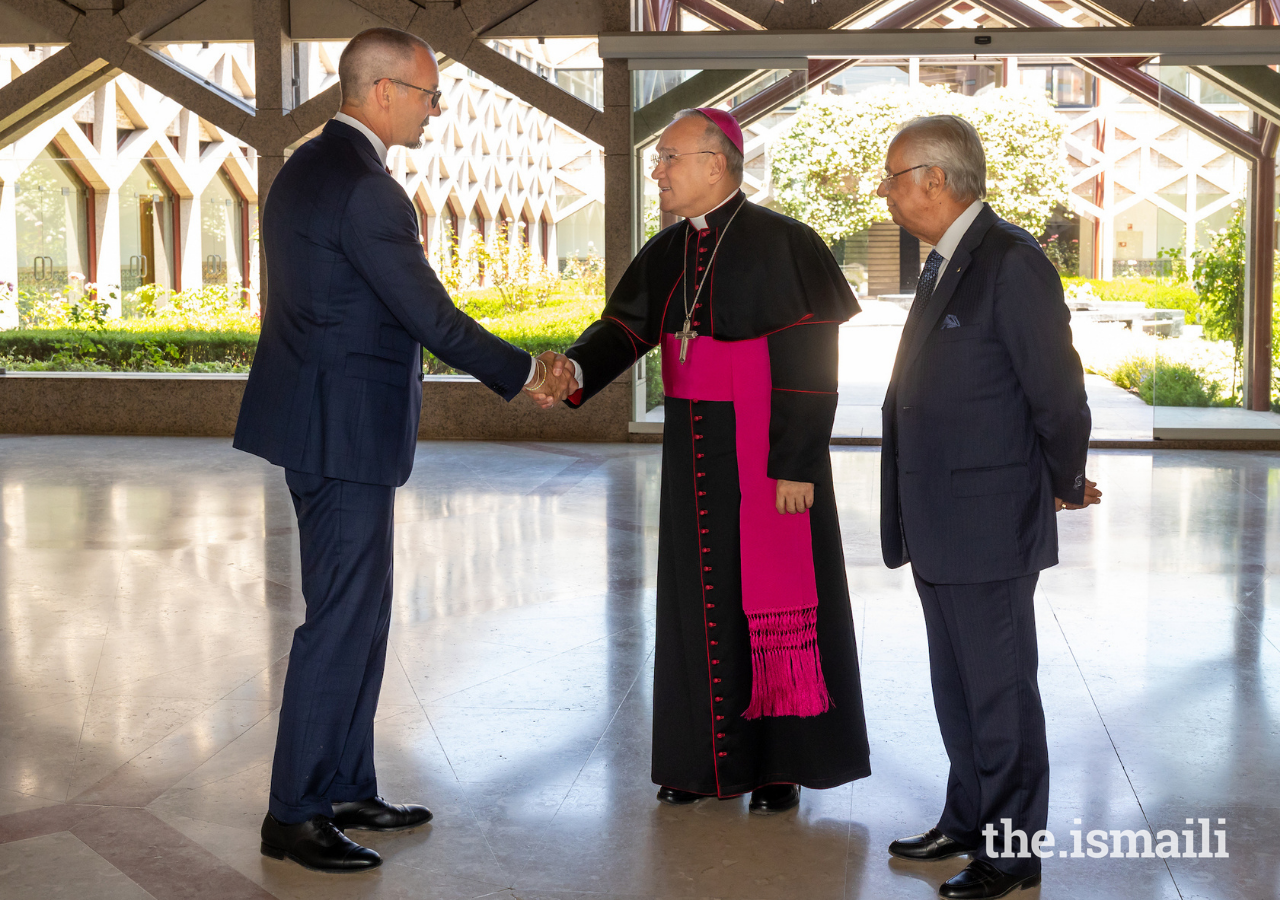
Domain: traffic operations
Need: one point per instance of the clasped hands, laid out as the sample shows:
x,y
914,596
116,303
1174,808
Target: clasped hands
x,y
552,380
1091,496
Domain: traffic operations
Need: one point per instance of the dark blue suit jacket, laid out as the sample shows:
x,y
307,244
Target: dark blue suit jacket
x,y
986,419
335,387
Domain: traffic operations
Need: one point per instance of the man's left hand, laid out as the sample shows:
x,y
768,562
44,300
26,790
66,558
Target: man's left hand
x,y
1091,496
794,496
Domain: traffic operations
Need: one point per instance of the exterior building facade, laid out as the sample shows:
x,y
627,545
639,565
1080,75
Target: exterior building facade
x,y
128,189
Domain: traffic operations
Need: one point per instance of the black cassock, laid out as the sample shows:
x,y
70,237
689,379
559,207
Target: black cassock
x,y
772,277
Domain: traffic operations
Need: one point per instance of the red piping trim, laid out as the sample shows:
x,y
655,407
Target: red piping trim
x,y
711,294
631,335
662,323
702,580
804,320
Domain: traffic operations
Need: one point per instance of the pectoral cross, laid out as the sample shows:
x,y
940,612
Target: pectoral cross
x,y
684,337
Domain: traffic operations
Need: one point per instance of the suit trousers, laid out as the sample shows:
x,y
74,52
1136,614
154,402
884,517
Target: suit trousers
x,y
324,749
982,661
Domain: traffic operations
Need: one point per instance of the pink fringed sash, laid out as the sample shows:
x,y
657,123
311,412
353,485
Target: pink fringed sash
x,y
779,589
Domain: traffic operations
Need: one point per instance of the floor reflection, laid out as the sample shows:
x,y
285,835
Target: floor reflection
x,y
149,588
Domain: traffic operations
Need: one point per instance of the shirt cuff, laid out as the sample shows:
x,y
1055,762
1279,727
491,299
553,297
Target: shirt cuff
x,y
533,370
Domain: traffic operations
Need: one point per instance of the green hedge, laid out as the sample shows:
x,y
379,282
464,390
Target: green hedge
x,y
1154,293
129,350
551,325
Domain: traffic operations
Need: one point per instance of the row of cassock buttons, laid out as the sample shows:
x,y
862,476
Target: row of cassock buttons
x,y
697,437
720,735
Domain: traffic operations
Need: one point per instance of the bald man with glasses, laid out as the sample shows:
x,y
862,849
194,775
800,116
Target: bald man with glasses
x,y
334,398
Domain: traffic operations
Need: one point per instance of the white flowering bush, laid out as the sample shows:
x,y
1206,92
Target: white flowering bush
x,y
1080,292
829,162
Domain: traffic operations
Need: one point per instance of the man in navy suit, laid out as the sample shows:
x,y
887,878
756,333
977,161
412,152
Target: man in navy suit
x,y
986,430
334,397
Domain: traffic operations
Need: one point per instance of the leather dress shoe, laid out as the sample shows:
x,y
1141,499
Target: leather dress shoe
x,y
774,798
928,847
376,814
982,881
679,798
316,844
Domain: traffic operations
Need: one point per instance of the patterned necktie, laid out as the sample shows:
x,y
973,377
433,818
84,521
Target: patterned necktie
x,y
924,290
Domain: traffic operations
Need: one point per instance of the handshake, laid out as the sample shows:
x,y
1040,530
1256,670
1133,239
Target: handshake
x,y
553,379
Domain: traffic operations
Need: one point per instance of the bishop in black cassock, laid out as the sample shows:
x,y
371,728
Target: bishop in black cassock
x,y
756,684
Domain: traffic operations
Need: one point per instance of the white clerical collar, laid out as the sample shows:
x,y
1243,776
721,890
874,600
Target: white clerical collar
x,y
378,147
700,222
950,240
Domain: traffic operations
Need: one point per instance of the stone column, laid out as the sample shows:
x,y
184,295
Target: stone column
x,y
8,230
1260,241
253,265
273,80
619,189
619,165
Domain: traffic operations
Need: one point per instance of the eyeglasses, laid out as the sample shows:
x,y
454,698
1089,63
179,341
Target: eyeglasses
x,y
433,95
892,175
665,159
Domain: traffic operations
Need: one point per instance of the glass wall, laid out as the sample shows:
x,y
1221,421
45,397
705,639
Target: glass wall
x,y
1198,370
222,232
1067,86
146,230
581,234
53,239
585,84
571,64
970,79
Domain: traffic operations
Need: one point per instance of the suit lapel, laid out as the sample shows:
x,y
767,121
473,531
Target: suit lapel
x,y
948,279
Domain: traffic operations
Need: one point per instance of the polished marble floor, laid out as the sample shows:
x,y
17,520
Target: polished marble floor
x,y
149,587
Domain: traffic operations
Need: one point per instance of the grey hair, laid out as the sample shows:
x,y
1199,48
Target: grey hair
x,y
373,54
952,145
718,139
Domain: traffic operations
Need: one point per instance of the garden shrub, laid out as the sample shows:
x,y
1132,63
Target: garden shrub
x,y
1219,280
1162,382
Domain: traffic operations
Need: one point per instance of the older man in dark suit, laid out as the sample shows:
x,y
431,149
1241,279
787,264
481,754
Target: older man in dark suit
x,y
334,397
986,430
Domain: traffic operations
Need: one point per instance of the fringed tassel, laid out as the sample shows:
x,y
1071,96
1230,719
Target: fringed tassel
x,y
786,673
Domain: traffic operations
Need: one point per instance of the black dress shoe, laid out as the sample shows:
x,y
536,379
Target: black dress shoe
x,y
928,847
774,798
316,844
982,881
679,798
376,814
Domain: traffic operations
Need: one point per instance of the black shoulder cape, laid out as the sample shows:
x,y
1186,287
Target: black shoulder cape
x,y
770,272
